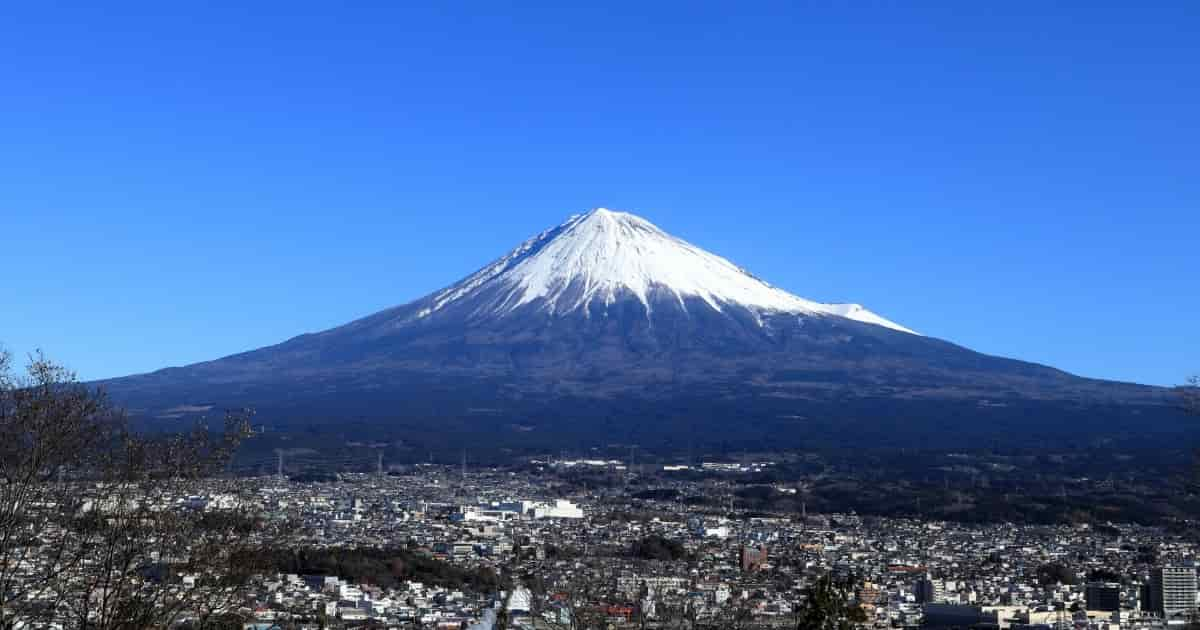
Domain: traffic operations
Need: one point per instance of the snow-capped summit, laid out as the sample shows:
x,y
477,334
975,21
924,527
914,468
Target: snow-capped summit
x,y
601,256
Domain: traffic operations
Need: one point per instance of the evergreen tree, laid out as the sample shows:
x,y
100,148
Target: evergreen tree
x,y
827,605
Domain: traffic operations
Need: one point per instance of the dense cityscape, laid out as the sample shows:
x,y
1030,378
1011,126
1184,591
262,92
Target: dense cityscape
x,y
599,315
444,547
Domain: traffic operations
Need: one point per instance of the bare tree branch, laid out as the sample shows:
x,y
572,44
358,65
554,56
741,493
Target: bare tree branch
x,y
94,531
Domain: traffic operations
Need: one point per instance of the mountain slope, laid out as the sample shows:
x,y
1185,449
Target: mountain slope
x,y
606,326
597,258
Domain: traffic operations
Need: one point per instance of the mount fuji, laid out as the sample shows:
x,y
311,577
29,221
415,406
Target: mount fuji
x,y
607,329
600,258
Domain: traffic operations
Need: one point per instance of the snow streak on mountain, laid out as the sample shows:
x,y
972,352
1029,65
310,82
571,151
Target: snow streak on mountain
x,y
601,256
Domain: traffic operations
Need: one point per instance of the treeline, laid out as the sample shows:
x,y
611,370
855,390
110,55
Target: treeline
x,y
381,567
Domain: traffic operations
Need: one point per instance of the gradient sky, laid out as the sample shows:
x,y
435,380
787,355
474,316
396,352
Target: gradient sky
x,y
182,181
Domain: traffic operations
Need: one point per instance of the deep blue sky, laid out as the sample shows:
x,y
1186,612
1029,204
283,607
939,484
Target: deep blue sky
x,y
182,181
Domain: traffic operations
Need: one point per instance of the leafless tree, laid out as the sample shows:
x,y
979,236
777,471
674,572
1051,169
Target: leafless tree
x,y
93,529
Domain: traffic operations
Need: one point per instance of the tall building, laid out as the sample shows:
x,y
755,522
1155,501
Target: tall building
x,y
1104,596
1172,591
929,591
752,558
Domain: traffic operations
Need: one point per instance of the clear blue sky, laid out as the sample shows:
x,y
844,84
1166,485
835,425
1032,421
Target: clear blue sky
x,y
182,181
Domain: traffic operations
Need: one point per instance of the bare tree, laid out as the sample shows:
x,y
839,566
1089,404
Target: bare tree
x,y
94,529
47,432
